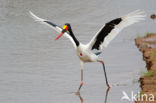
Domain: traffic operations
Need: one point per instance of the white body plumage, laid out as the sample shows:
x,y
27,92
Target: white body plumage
x,y
102,38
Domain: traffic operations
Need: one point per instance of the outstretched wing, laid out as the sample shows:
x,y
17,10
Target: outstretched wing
x,y
109,31
52,25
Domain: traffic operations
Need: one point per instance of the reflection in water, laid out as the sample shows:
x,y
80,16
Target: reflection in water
x,y
81,99
106,94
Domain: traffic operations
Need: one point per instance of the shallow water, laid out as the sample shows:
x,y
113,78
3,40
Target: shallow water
x,y
34,68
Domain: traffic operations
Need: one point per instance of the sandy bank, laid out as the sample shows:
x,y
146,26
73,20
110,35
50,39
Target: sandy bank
x,y
147,45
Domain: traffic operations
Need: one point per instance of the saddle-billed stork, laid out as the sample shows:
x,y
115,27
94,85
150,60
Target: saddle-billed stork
x,y
102,38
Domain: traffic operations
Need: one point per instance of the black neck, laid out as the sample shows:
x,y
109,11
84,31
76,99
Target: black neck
x,y
73,36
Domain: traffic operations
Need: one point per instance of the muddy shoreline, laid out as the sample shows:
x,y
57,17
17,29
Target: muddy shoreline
x,y
147,45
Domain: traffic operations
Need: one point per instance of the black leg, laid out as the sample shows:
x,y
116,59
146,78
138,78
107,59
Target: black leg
x,y
80,85
105,73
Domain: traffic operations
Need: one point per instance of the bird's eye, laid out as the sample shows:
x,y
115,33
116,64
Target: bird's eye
x,y
80,54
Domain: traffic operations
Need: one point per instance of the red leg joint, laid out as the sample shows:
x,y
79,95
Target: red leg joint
x,y
102,62
108,85
81,83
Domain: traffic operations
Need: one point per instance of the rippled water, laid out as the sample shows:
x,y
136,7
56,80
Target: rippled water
x,y
34,68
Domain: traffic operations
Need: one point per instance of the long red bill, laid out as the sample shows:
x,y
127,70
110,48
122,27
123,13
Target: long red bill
x,y
59,36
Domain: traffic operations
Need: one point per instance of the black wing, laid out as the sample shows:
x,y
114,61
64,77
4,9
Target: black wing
x,y
112,28
104,32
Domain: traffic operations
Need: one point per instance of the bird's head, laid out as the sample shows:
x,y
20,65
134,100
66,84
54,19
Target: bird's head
x,y
64,29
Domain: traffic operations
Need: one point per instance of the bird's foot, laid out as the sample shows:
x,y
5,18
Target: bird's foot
x,y
78,92
108,85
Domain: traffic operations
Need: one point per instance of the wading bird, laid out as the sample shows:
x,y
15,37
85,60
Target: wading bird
x,y
102,38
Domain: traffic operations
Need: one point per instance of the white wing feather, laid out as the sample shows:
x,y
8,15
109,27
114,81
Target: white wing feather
x,y
57,28
127,20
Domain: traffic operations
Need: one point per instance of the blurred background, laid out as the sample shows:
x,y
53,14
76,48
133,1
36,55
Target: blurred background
x,y
34,68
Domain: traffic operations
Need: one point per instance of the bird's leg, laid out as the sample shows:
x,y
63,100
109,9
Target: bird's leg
x,y
107,91
81,83
104,72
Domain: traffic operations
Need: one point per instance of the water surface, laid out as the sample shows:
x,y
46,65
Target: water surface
x,y
34,68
